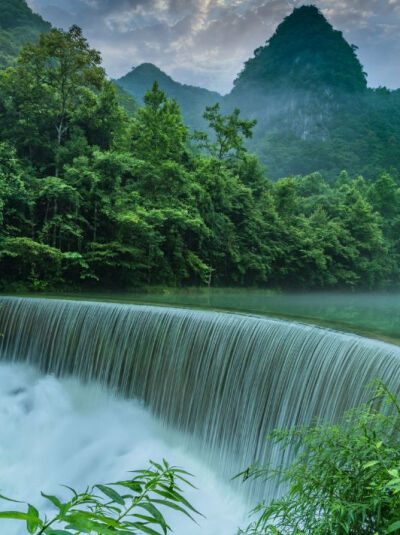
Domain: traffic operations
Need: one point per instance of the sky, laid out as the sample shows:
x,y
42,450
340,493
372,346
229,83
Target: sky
x,y
206,42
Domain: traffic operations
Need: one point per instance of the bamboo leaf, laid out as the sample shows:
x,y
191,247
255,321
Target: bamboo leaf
x,y
112,494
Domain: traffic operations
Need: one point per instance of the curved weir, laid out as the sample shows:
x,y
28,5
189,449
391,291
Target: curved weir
x,y
224,380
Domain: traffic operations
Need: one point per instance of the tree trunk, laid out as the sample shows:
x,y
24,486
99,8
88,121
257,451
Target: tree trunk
x,y
55,227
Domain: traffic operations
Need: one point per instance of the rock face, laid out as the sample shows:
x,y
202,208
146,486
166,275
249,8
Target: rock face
x,y
298,79
192,100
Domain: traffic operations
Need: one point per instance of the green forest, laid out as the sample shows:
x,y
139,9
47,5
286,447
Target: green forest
x,y
96,190
18,25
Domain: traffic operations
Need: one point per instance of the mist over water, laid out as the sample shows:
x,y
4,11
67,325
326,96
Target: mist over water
x,y
59,431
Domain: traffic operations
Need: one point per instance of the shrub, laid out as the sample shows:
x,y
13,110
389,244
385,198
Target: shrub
x,y
345,477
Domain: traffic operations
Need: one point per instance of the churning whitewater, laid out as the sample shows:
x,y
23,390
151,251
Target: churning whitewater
x,y
222,380
55,432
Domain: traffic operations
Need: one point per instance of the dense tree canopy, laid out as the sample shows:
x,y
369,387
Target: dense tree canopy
x,y
93,195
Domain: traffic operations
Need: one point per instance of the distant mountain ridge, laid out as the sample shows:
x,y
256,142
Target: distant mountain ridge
x,y
191,99
305,86
293,83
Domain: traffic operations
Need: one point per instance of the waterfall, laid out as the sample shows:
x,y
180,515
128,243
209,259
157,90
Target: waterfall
x,y
224,380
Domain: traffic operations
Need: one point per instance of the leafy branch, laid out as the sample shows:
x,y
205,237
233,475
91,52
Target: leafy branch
x,y
126,507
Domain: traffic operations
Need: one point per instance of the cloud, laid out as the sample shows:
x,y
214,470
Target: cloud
x,y
205,42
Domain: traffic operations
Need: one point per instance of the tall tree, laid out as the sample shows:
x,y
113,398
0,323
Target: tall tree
x,y
158,132
41,94
229,132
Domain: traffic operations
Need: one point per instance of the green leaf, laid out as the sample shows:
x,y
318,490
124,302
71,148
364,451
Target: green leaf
x,y
370,463
393,527
175,506
16,515
71,489
132,485
173,495
157,465
150,508
145,529
112,494
100,517
79,523
34,521
9,499
148,519
53,499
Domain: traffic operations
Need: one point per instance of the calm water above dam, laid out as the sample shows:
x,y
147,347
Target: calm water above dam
x,y
372,314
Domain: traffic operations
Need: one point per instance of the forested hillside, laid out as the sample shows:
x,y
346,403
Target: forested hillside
x,y
192,100
305,53
362,137
90,195
93,193
18,25
308,91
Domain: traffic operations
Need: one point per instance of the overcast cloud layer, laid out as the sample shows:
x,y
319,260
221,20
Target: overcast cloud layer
x,y
205,42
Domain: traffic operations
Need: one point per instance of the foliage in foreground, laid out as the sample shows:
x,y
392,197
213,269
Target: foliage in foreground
x,y
345,478
136,507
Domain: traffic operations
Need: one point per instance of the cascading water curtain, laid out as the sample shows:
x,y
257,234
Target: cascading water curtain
x,y
225,380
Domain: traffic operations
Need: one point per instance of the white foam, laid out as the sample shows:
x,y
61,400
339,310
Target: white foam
x,y
55,432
